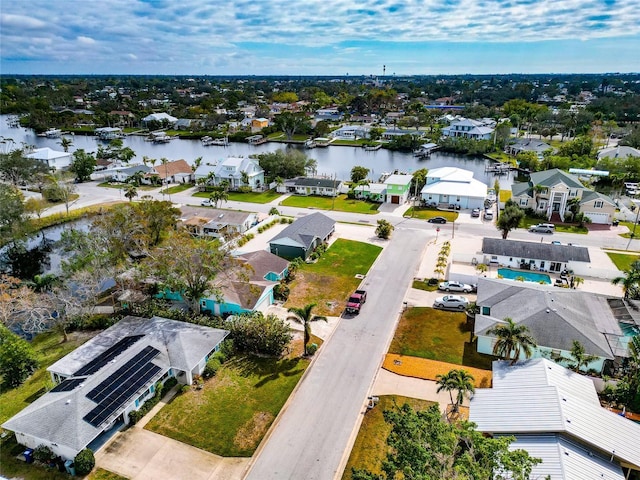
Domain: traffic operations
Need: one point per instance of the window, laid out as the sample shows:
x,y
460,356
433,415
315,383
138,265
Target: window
x,y
486,310
523,202
598,204
542,264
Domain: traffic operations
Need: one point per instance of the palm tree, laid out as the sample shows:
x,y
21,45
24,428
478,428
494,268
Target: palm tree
x,y
196,163
136,178
65,143
445,382
512,340
304,317
580,356
245,178
164,162
218,195
459,380
630,281
130,192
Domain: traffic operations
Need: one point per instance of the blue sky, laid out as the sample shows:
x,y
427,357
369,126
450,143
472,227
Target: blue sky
x,y
318,37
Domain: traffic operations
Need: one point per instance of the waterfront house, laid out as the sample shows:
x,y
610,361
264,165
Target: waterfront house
x,y
239,172
551,193
101,382
374,192
178,171
555,415
122,174
311,186
468,128
397,188
258,124
160,117
449,185
303,236
522,145
214,223
54,159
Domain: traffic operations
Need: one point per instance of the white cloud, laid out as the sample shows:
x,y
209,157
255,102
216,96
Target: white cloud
x,y
86,40
8,20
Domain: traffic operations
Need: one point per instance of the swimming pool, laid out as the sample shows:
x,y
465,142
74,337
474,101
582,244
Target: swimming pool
x,y
528,276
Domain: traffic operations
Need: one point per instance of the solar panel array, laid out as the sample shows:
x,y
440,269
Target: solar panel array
x,y
67,385
105,357
116,390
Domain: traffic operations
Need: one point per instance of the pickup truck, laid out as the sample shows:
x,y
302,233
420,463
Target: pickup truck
x,y
356,300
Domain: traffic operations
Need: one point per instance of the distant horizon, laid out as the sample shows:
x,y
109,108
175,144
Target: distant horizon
x,y
258,38
249,75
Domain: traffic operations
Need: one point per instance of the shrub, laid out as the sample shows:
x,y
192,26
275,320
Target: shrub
x,y
274,211
312,348
17,359
43,454
185,388
169,384
245,189
84,462
255,333
212,367
281,291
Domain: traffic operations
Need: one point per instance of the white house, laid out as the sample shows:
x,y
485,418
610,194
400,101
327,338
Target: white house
x,y
449,185
239,172
555,415
467,128
159,117
111,375
311,186
350,132
122,174
204,170
53,158
211,222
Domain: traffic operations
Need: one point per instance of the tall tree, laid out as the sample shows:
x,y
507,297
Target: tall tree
x,y
512,340
83,165
419,180
17,359
218,195
15,167
11,210
579,355
65,143
459,380
130,192
359,173
290,123
305,317
509,218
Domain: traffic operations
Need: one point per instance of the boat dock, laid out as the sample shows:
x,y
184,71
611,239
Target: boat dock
x,y
499,168
426,150
256,140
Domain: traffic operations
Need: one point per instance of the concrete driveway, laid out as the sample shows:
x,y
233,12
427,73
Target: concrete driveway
x,y
139,454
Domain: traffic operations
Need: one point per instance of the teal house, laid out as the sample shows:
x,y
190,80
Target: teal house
x,y
398,187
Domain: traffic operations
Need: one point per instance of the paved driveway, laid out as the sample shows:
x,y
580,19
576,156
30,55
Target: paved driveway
x,y
139,454
315,431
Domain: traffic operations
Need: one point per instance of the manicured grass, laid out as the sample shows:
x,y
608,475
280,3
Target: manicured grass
x,y
281,137
234,410
354,143
48,349
629,225
427,213
527,222
370,447
177,188
330,280
119,186
341,203
250,197
437,335
422,285
622,261
102,474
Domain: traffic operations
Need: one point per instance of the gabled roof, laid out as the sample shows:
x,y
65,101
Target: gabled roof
x,y
305,230
521,189
59,416
534,250
590,195
172,168
47,153
204,170
450,174
250,166
555,317
263,263
513,407
133,169
158,117
243,293
530,145
398,179
214,215
551,178
619,151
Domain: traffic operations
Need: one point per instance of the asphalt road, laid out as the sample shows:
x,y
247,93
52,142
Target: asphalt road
x,y
313,432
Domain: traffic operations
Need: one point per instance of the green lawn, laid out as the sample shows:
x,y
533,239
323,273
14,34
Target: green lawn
x,y
370,447
425,213
353,143
281,137
527,221
177,188
437,335
629,225
340,203
250,197
48,349
102,474
119,186
422,285
330,280
234,410
622,261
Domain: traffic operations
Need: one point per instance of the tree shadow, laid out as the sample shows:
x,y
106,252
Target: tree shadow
x,y
268,369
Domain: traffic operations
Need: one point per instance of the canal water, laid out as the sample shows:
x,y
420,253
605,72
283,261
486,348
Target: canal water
x,y
333,160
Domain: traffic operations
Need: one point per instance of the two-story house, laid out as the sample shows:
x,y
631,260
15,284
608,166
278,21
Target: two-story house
x,y
239,172
552,193
398,187
468,128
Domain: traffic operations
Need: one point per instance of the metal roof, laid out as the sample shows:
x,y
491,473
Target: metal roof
x,y
535,250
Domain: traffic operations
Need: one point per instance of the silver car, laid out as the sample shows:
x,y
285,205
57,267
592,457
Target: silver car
x,y
455,302
455,287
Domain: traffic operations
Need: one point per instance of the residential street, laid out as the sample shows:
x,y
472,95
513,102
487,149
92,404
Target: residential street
x,y
315,429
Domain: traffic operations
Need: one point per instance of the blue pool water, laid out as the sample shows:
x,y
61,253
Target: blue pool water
x,y
528,276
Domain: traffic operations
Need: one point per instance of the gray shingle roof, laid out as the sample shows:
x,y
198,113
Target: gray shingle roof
x,y
555,317
549,178
57,417
306,229
315,182
520,189
263,263
589,195
534,250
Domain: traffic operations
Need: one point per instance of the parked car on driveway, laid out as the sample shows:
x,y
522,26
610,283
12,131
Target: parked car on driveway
x,y
455,302
206,203
475,212
437,220
455,287
488,214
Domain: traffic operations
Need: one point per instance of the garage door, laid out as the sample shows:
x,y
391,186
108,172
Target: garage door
x,y
395,199
598,217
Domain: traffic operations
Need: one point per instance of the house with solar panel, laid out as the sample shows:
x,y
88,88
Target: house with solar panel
x,y
100,382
